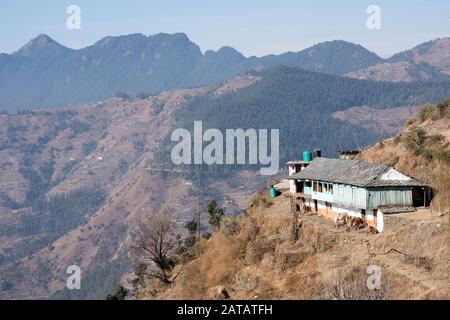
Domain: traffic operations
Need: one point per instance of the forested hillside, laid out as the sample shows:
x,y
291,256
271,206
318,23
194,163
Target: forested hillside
x,y
300,103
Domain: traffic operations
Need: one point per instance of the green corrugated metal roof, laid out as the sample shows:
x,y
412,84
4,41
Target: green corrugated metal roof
x,y
351,172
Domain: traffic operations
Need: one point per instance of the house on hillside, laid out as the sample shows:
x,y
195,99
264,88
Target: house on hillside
x,y
357,188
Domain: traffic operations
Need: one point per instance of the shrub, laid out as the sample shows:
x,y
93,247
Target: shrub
x,y
426,112
230,226
120,294
87,148
444,108
260,200
352,286
420,262
215,214
414,141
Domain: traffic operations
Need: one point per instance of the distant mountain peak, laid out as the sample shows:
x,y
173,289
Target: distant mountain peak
x,y
41,43
230,52
228,49
141,40
336,56
42,39
341,44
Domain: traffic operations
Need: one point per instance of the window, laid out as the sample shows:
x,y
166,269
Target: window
x,y
320,187
331,188
316,186
308,184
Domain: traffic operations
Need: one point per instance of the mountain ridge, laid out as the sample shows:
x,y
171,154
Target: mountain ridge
x,y
48,74
426,61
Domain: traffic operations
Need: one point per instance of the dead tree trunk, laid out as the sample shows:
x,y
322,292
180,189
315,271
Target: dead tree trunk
x,y
295,223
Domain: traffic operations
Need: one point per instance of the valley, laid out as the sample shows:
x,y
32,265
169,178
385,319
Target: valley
x,y
76,183
224,150
107,148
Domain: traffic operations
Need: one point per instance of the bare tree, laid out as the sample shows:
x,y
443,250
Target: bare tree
x,y
156,242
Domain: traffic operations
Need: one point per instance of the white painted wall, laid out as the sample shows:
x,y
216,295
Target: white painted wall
x,y
292,186
348,211
321,205
393,174
369,215
292,169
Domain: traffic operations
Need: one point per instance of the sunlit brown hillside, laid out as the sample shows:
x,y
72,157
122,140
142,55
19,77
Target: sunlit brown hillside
x,y
75,183
254,256
421,149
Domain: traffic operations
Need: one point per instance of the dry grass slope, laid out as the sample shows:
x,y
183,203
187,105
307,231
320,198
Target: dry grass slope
x,y
422,150
257,259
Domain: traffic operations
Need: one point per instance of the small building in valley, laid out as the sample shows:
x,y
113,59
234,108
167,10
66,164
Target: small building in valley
x,y
357,188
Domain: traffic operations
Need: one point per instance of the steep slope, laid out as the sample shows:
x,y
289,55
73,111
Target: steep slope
x,y
435,53
254,257
427,61
77,182
421,149
388,121
111,151
42,47
400,71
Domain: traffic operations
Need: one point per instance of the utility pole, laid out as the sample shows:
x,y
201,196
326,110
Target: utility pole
x,y
198,217
294,212
199,203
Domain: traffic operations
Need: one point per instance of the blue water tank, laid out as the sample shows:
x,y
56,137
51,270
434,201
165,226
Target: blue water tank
x,y
307,156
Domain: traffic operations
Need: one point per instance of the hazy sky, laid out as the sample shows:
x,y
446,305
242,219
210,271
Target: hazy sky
x,y
254,27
